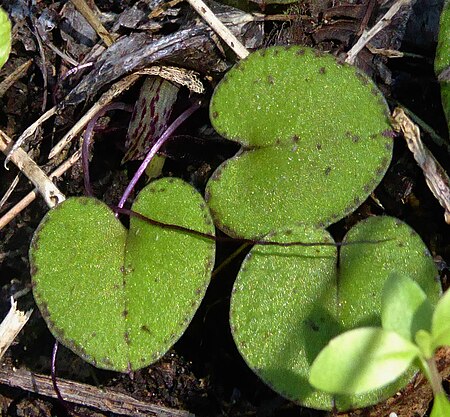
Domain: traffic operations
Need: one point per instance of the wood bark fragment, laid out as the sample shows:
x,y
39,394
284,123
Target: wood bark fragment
x,y
86,395
11,325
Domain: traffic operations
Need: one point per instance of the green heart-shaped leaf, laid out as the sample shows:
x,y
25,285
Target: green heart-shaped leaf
x,y
315,137
120,298
289,302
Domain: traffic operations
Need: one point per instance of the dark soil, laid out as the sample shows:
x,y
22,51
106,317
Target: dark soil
x,y
203,373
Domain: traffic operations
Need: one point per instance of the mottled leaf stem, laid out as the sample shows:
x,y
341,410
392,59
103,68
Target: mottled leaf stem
x,y
156,147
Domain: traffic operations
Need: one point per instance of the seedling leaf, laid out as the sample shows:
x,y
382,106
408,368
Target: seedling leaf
x,y
405,307
289,302
441,322
121,299
361,360
314,135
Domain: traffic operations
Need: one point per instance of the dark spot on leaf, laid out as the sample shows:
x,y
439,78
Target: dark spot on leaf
x,y
278,141
400,244
125,313
322,70
388,146
367,188
193,304
300,52
288,232
199,290
142,360
356,201
126,336
145,328
327,171
295,138
215,114
319,146
262,52
276,52
243,344
93,334
270,79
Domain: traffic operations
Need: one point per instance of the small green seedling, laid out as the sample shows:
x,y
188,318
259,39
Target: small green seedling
x,y
121,298
369,358
5,37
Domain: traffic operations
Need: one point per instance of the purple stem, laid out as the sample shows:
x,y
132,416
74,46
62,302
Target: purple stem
x,y
53,374
87,142
155,148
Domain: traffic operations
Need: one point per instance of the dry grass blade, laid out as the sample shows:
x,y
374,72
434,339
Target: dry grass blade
x,y
435,176
380,25
206,13
11,325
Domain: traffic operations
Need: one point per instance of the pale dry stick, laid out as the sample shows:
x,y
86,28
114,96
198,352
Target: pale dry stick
x,y
28,132
94,21
11,325
435,176
17,74
52,195
10,189
31,196
210,18
368,35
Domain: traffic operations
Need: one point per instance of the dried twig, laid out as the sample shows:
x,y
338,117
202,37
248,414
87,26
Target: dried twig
x,y
435,176
52,195
206,13
94,21
31,196
86,395
11,326
368,35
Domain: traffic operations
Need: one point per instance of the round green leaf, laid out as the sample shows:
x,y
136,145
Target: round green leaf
x,y
289,302
5,37
362,360
315,137
405,307
120,298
